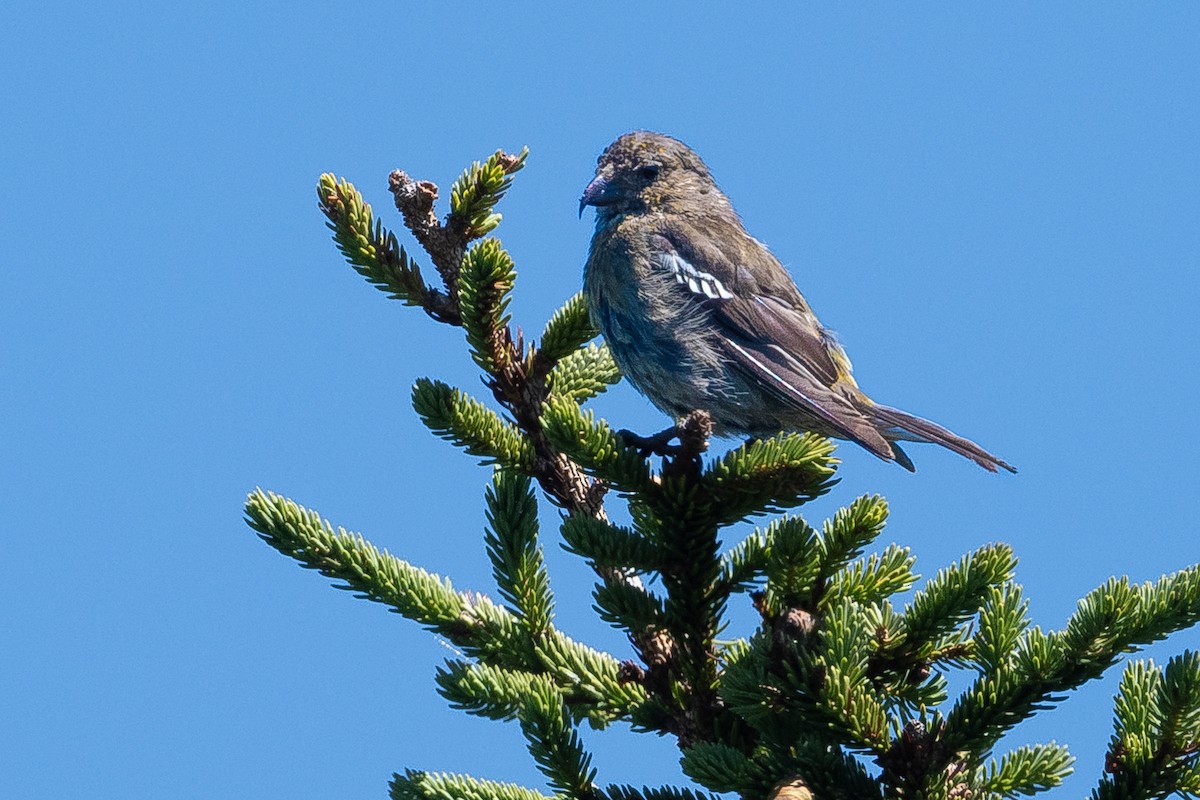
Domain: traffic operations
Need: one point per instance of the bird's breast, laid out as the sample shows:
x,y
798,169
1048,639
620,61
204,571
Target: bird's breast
x,y
658,332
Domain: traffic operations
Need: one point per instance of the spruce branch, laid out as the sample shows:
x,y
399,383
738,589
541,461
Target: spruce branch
x,y
770,475
470,622
654,793
1002,620
459,418
374,253
1007,695
1177,703
1104,617
475,194
686,531
1135,717
512,545
608,546
630,607
1112,619
822,770
570,327
588,681
486,690
595,447
954,595
414,785
485,284
555,745
791,565
1170,604
872,579
590,677
1117,617
1155,749
847,697
584,373
1025,771
719,767
744,564
482,285
472,199
517,380
755,685
845,536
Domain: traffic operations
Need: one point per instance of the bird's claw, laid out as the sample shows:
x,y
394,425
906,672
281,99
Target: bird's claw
x,y
658,444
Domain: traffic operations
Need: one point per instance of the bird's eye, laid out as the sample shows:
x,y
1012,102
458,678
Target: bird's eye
x,y
649,172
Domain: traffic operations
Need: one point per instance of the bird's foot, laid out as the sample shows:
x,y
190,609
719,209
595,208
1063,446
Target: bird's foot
x,y
692,431
658,444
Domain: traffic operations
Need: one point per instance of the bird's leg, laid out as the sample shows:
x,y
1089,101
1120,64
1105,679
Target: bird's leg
x,y
658,444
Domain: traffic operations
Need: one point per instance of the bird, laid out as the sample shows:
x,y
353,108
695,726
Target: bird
x,y
699,315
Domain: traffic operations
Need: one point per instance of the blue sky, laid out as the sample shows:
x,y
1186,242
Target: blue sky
x,y
999,212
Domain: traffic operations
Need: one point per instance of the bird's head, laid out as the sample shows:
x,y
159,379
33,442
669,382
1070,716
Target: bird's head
x,y
644,170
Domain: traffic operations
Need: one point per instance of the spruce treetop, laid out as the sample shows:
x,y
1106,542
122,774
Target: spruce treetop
x,y
840,691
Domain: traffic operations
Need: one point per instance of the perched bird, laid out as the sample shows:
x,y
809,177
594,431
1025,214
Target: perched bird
x,y
699,315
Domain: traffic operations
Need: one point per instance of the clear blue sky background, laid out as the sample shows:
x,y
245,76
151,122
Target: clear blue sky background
x,y
999,213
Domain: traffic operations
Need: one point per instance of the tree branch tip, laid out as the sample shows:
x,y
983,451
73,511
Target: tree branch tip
x,y
414,199
511,163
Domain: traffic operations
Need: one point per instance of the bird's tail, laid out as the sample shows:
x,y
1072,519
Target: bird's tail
x,y
897,424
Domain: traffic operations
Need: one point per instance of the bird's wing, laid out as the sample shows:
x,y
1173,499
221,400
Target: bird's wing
x,y
776,341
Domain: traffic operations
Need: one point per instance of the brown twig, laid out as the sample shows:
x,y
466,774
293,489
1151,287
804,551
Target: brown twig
x,y
445,244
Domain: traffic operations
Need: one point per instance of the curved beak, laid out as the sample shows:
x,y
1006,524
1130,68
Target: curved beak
x,y
598,193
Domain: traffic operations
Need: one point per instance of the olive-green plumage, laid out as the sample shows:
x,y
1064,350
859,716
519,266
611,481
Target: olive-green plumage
x,y
700,315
